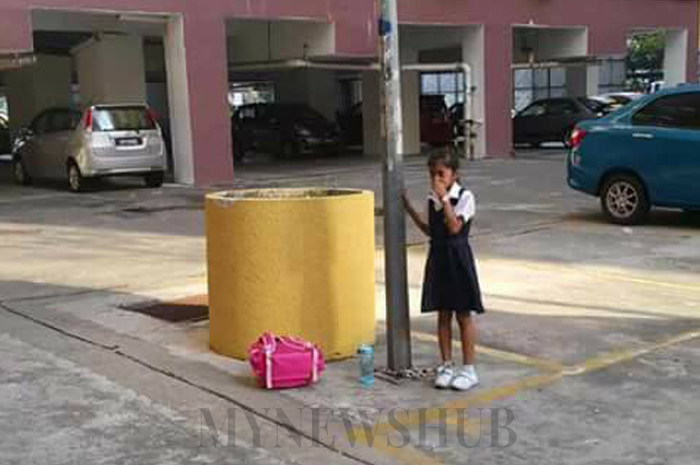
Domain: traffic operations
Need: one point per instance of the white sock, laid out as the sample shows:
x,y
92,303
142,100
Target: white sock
x,y
470,370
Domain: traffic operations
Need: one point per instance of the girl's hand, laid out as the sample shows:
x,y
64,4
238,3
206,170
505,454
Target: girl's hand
x,y
439,188
405,199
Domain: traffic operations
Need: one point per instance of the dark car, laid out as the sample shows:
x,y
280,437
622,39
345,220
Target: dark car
x,y
5,139
553,120
282,129
435,124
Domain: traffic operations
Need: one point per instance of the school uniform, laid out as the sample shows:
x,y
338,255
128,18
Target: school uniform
x,y
451,282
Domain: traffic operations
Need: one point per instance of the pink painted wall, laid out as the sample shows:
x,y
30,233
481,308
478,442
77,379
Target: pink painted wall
x,y
608,22
15,30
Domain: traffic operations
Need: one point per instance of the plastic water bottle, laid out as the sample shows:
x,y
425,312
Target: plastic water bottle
x,y
366,353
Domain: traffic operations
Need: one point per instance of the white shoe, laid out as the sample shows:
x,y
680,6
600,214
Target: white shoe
x,y
465,379
444,376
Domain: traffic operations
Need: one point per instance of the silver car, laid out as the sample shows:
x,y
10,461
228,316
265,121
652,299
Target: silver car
x,y
103,140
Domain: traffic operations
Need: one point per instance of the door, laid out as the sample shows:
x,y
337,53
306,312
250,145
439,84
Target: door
x,y
666,134
32,151
526,123
560,116
55,142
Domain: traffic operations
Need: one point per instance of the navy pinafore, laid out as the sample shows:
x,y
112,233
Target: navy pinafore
x,y
451,282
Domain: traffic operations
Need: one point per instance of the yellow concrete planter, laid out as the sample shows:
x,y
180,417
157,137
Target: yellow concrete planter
x,y
293,261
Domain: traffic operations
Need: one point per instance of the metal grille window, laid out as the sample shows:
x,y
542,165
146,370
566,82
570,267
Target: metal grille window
x,y
534,84
448,84
613,76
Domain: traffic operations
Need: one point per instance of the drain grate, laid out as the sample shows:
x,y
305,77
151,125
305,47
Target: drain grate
x,y
190,309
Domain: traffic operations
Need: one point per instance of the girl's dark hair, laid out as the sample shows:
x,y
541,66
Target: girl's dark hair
x,y
444,156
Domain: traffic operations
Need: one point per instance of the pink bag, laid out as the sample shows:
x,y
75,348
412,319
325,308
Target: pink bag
x,y
285,362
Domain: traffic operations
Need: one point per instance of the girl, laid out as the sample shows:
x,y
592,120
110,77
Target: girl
x,y
451,285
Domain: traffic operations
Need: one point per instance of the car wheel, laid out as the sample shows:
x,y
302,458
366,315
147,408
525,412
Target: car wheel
x,y
76,181
624,200
154,180
19,173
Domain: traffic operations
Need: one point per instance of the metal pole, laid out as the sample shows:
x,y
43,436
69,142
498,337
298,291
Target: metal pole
x,y
397,316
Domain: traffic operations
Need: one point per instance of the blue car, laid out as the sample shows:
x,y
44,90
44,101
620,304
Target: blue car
x,y
645,154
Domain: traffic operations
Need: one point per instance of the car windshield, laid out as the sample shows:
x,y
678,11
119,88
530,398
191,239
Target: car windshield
x,y
596,106
122,119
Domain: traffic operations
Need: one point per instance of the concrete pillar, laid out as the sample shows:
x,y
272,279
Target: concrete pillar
x,y
410,103
676,57
370,114
492,99
111,70
196,63
582,80
35,88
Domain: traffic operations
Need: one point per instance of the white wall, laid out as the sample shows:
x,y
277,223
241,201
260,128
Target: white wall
x,y
259,41
549,43
35,88
179,100
676,57
473,54
111,69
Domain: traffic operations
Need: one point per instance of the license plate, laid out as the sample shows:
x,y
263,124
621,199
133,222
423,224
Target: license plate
x,y
128,142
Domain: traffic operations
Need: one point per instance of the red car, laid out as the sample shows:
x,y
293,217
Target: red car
x,y
435,125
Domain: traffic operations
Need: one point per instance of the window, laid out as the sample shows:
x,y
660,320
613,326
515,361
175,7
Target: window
x,y
613,76
596,106
122,119
63,121
40,123
538,109
449,84
561,108
673,111
535,84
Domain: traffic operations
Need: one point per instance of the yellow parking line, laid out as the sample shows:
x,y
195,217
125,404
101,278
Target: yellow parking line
x,y
605,274
612,358
408,454
653,282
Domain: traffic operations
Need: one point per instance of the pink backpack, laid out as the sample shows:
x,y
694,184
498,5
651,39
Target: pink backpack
x,y
285,362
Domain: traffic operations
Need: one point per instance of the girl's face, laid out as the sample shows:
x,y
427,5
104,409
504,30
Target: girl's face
x,y
442,174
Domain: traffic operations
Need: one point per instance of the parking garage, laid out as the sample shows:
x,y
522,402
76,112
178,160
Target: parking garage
x,y
196,66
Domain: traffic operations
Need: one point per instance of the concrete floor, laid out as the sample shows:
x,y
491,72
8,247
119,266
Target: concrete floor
x,y
591,338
